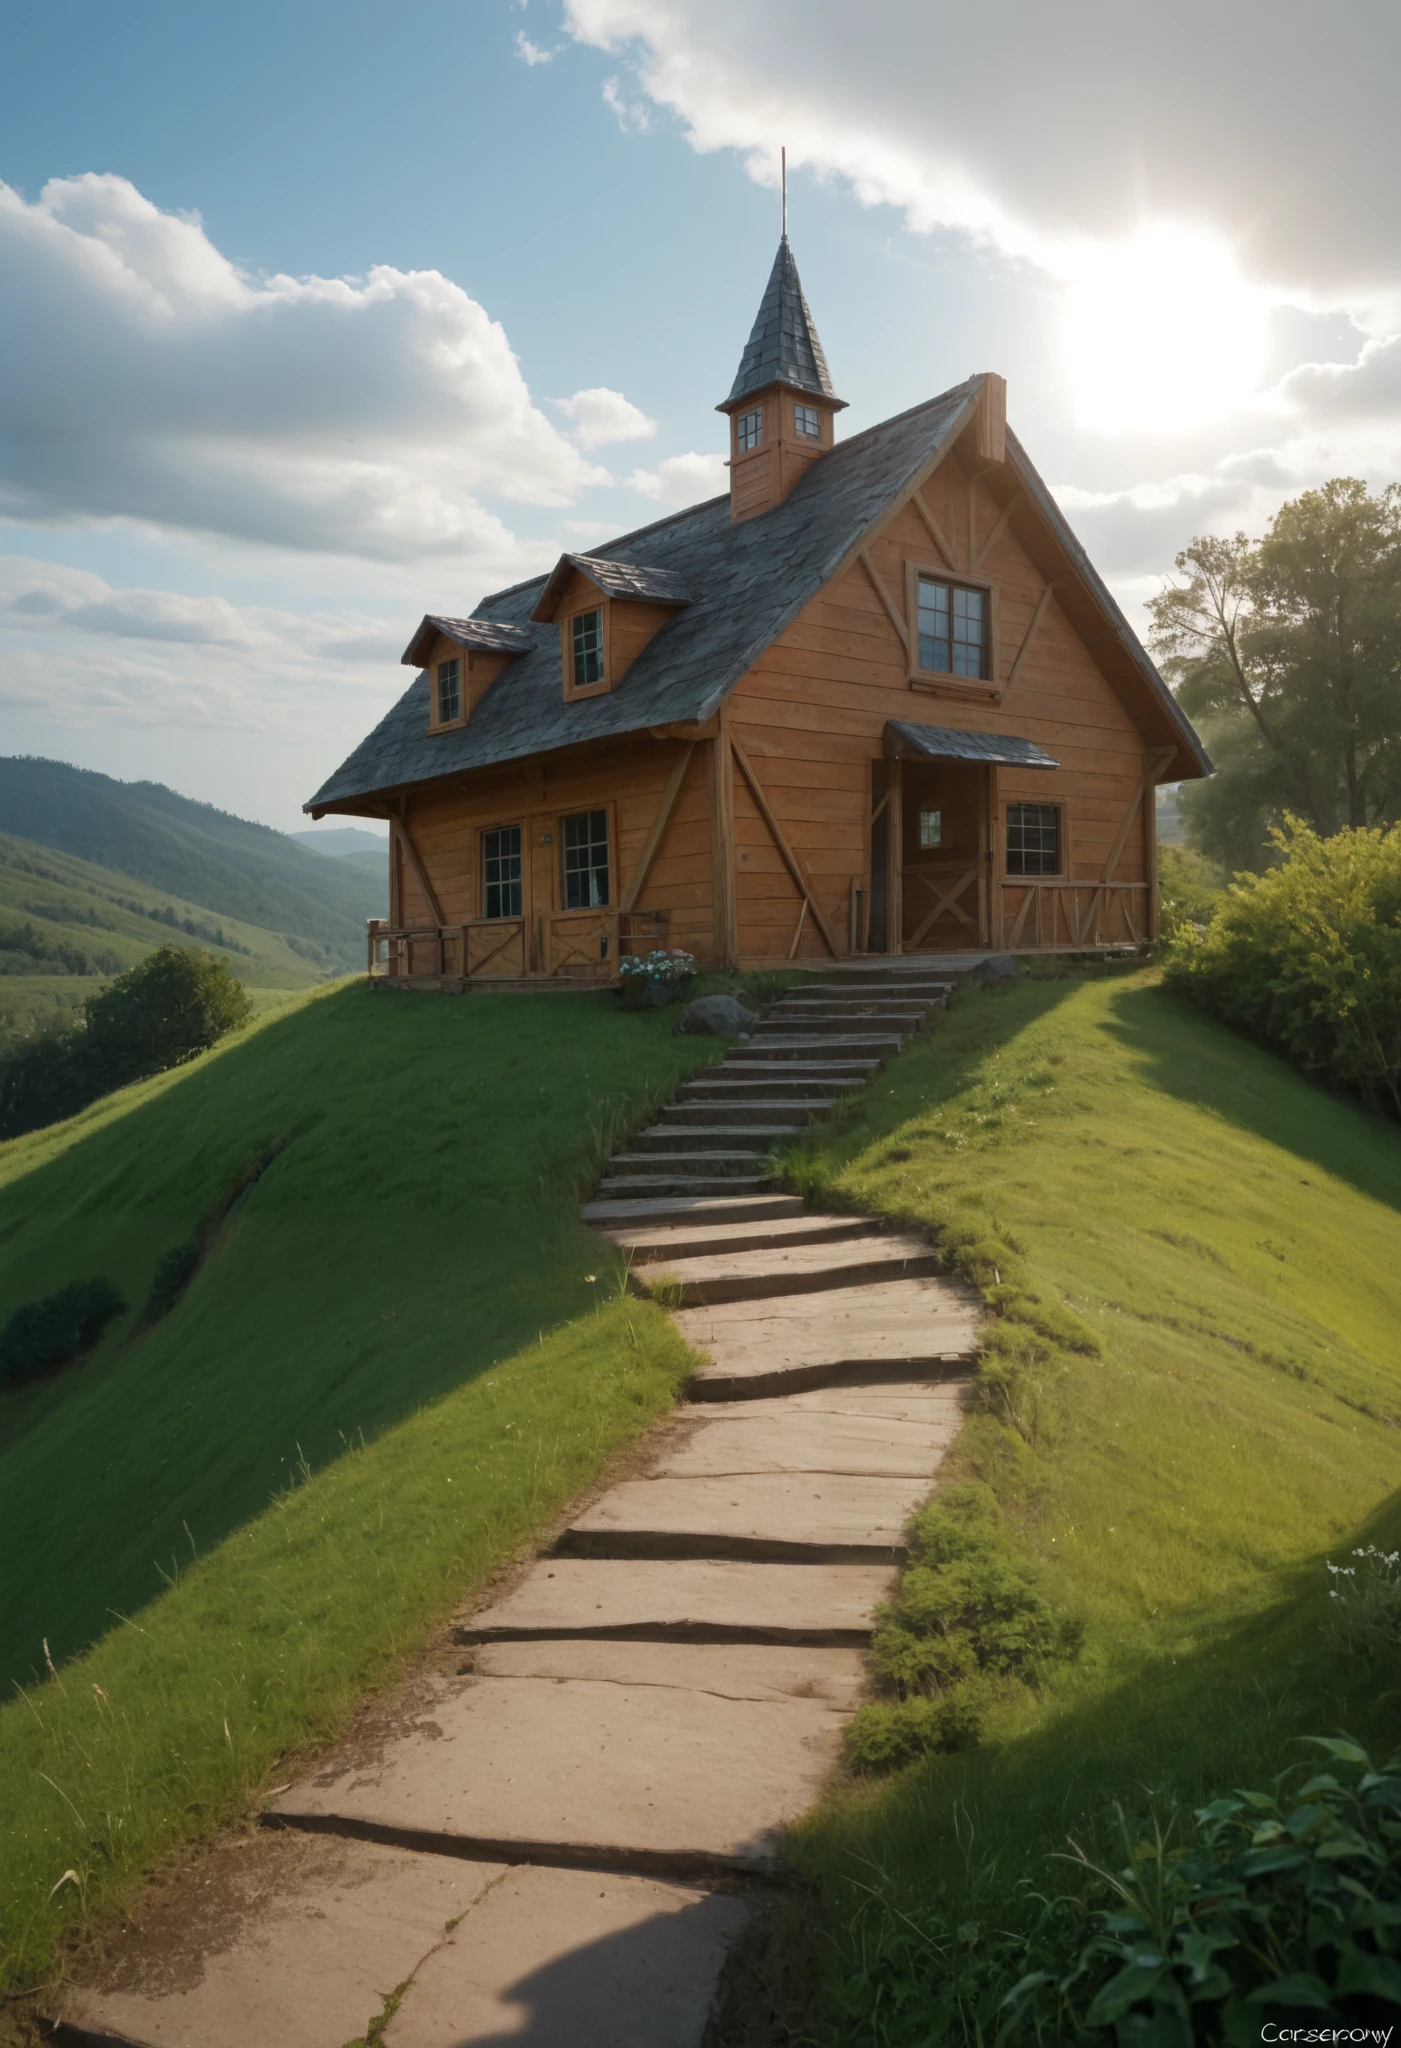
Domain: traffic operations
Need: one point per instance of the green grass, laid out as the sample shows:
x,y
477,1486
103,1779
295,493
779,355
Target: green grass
x,y
403,1352
1222,1241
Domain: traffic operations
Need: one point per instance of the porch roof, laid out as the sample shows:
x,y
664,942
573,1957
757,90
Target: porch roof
x,y
944,743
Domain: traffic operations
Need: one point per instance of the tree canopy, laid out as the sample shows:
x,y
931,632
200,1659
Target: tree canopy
x,y
1286,654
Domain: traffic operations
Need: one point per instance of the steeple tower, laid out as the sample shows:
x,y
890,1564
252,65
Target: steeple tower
x,y
782,404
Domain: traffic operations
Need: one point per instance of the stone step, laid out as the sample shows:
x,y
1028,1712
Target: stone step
x,y
671,1759
856,1005
703,1210
688,1186
896,1329
794,1076
768,1518
795,1045
739,1109
718,1138
915,988
682,1160
684,1600
649,1242
724,1084
852,1261
822,1022
893,1432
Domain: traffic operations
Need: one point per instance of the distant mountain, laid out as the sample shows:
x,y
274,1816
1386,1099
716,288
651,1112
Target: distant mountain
x,y
343,840
200,854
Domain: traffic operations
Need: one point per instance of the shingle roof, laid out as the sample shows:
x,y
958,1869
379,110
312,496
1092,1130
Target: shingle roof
x,y
942,743
614,579
783,347
747,583
485,636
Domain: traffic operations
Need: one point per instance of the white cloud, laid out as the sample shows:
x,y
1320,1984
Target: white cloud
x,y
633,115
681,479
1271,128
600,416
149,379
531,53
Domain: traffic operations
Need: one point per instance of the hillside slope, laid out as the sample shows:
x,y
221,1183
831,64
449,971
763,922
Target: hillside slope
x,y
222,863
1228,1238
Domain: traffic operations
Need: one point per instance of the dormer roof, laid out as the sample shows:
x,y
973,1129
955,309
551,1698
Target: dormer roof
x,y
636,580
482,636
783,347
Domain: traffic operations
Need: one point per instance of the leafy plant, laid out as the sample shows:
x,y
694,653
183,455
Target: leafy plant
x,y
1367,1597
1190,890
1308,958
968,1612
57,1328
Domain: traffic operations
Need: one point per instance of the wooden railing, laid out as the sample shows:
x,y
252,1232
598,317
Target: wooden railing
x,y
1053,913
567,945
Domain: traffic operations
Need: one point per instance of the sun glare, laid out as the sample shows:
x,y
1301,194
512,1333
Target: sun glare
x,y
1162,333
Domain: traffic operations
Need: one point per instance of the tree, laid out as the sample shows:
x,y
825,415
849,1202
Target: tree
x,y
1286,652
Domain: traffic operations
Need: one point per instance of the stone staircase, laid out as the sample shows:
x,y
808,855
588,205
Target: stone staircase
x,y
557,1841
819,1042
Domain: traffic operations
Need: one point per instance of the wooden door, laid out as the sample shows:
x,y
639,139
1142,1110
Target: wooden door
x,y
943,828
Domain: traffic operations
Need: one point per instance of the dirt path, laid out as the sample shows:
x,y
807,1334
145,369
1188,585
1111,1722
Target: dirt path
x,y
551,1847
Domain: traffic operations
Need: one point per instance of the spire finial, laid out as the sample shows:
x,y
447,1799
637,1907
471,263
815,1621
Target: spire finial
x,y
783,176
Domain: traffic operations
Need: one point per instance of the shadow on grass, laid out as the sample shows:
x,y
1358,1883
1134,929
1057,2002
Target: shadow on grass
x,y
1207,1065
1171,1733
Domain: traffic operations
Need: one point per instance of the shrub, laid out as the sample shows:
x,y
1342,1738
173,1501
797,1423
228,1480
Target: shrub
x,y
968,1612
175,1004
56,1329
175,1270
1190,890
1307,958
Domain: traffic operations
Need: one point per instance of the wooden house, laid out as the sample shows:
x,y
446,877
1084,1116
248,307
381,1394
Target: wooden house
x,y
873,700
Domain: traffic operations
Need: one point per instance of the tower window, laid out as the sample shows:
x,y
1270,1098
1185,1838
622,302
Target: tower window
x,y
1033,839
806,421
952,629
588,649
586,860
449,690
749,430
501,871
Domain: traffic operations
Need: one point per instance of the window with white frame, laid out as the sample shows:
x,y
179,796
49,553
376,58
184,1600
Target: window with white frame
x,y
1033,839
952,628
806,421
586,860
749,430
449,690
588,649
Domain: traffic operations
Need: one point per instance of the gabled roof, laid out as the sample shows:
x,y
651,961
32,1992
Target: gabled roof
x,y
783,347
636,580
747,583
483,636
944,743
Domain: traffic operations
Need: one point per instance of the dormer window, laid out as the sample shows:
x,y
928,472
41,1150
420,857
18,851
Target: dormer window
x,y
806,421
588,648
449,690
749,430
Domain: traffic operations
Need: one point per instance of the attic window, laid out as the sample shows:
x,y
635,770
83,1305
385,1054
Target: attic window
x,y
806,421
952,629
588,649
749,430
449,690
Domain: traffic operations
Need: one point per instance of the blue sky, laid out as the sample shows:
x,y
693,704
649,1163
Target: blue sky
x,y
290,296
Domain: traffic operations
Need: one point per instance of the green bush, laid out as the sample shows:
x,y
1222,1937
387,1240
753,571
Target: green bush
x,y
1190,890
53,1331
968,1612
175,1004
1307,958
175,1270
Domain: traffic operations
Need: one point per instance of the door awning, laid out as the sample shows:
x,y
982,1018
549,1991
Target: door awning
x,y
945,743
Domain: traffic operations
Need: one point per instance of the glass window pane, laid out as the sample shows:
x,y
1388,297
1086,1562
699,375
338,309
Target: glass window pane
x,y
588,649
449,690
952,628
1033,839
585,838
501,872
749,430
931,828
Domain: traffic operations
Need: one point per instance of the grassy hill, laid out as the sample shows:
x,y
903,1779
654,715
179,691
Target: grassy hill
x,y
193,851
1226,1239
65,926
400,1354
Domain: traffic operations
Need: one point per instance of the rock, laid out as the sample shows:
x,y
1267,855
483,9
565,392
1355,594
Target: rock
x,y
996,972
713,1017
